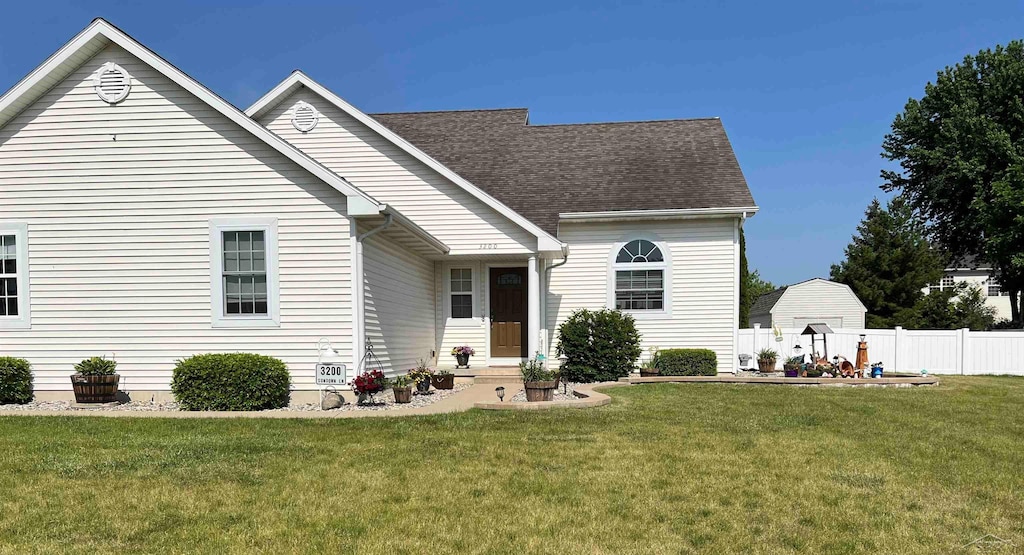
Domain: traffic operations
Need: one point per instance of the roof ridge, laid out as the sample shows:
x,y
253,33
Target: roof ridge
x,y
626,122
465,110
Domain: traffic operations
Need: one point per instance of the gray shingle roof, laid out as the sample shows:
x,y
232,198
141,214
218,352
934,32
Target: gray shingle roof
x,y
765,303
543,170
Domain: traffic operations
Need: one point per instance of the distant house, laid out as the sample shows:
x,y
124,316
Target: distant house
x,y
978,273
813,301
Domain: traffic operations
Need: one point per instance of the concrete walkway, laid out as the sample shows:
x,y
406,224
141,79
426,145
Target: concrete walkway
x,y
458,402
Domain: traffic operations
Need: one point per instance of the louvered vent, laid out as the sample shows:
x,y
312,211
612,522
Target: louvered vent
x,y
304,117
112,83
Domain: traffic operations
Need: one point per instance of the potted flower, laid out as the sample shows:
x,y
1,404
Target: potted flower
x,y
649,367
95,381
817,370
766,360
539,382
462,354
401,386
421,377
367,384
443,379
791,368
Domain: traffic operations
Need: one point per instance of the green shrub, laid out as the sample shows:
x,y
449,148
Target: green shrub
x,y
15,381
598,346
688,362
96,366
231,381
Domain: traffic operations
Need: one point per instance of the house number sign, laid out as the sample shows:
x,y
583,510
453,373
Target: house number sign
x,y
330,374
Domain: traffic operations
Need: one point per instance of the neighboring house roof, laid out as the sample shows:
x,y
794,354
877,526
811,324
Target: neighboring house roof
x,y
541,171
968,262
546,240
765,303
101,33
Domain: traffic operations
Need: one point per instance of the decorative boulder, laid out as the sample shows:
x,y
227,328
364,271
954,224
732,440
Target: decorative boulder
x,y
331,400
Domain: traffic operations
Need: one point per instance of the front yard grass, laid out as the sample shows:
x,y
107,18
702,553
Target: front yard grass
x,y
665,469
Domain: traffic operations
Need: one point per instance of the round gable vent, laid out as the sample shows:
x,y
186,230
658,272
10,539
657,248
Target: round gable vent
x,y
304,117
112,83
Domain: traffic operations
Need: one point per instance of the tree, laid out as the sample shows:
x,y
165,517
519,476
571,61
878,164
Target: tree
x,y
961,150
889,263
751,285
961,307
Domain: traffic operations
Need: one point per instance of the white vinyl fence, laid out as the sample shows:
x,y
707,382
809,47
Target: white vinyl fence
x,y
937,351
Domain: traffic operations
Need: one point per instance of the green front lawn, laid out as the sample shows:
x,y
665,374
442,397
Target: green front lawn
x,y
664,469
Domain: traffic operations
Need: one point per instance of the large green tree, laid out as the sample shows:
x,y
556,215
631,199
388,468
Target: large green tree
x,y
752,285
961,150
889,263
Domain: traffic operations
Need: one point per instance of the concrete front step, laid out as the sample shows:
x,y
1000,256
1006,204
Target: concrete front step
x,y
498,379
486,371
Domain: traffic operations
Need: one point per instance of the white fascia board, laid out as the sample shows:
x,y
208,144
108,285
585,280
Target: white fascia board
x,y
416,230
85,43
545,241
666,214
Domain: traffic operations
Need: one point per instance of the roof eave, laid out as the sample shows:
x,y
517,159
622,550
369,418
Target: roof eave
x,y
660,214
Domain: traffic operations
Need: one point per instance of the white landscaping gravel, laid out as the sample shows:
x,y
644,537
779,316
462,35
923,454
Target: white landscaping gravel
x,y
564,392
384,401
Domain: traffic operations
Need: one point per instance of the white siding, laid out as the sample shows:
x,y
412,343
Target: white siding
x,y
399,303
454,332
390,175
818,301
119,231
704,281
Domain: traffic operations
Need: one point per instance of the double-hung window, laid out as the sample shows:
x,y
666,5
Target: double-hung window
x,y
14,300
461,287
639,274
243,262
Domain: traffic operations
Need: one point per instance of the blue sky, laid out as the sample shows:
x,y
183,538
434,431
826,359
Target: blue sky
x,y
806,90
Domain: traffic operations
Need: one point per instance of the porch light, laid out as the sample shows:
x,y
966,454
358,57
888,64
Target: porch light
x,y
501,393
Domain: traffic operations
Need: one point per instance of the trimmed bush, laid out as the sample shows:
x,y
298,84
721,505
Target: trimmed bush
x,y
15,381
688,362
231,381
598,346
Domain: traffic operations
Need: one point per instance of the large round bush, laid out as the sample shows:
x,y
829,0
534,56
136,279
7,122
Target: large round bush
x,y
15,381
231,381
598,345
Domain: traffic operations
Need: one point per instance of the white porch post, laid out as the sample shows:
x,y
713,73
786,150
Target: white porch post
x,y
533,310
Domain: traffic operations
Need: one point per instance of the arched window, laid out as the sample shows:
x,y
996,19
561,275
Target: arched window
x,y
639,270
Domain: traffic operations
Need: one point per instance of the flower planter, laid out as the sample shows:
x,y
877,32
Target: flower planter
x,y
461,360
423,387
791,372
540,391
95,389
649,372
402,394
443,382
766,366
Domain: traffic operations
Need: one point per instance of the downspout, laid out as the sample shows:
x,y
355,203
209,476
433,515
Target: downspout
x,y
360,300
544,296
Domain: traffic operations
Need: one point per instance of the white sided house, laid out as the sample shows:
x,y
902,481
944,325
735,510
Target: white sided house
x,y
809,302
144,217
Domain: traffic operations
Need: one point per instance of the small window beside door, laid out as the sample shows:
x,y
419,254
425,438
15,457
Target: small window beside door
x,y
461,293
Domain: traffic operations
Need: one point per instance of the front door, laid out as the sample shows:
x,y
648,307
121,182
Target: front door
x,y
508,312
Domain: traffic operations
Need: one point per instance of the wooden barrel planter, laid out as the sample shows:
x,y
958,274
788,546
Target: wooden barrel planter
x,y
95,389
540,391
649,372
402,394
443,382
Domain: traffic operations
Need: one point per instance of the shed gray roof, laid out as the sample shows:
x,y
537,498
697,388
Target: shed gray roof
x,y
543,170
765,303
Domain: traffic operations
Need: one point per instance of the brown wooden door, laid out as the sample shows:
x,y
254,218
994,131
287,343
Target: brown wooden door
x,y
508,312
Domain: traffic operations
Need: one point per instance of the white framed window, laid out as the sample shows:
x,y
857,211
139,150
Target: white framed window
x,y
14,287
244,287
945,283
639,278
994,289
460,288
